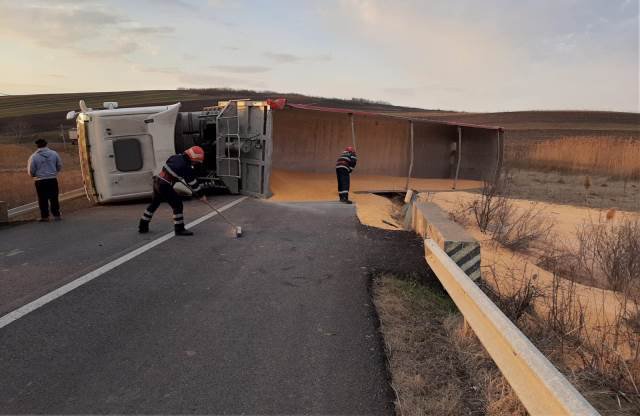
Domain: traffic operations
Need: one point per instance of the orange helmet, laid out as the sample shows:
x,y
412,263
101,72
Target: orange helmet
x,y
349,149
195,153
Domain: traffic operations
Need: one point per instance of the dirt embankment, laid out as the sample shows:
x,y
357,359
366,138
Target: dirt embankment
x,y
602,305
561,294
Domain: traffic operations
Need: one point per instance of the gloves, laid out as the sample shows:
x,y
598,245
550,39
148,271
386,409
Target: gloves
x,y
198,191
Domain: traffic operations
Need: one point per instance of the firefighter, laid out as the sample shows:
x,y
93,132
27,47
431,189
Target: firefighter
x,y
178,168
344,166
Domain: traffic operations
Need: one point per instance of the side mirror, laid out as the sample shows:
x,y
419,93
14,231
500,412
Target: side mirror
x,y
71,115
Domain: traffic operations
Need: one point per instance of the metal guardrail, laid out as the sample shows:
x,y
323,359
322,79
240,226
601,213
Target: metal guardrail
x,y
542,389
23,209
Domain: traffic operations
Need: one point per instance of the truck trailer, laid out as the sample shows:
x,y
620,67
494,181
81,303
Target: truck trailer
x,y
245,140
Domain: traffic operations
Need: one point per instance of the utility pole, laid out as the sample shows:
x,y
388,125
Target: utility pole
x,y
64,141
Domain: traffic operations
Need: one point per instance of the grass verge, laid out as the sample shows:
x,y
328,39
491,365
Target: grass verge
x,y
437,365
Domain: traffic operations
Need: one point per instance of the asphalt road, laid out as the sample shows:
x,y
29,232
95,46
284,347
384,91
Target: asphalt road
x,y
277,322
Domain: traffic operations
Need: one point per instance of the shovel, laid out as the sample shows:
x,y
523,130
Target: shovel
x,y
236,228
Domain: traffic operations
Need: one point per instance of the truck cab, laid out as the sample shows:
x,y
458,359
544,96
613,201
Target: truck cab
x,y
121,149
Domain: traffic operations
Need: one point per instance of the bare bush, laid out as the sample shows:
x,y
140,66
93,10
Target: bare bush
x,y
492,203
495,214
518,230
517,299
565,312
611,251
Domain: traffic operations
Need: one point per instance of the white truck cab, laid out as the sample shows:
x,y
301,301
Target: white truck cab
x,y
121,149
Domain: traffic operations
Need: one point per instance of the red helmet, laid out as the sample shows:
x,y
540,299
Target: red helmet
x,y
195,153
349,149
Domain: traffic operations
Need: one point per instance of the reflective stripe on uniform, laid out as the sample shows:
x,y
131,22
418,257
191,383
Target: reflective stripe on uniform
x,y
175,175
343,192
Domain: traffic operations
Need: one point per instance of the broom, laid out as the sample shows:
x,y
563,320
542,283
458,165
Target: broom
x,y
237,228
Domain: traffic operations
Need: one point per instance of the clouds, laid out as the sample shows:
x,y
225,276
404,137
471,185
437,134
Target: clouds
x,y
204,80
451,54
89,29
149,30
289,58
241,69
222,75
499,54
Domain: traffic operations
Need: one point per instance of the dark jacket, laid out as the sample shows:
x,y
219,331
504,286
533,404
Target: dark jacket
x,y
178,168
347,160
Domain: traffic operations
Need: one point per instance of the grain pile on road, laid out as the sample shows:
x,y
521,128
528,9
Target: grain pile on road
x,y
372,210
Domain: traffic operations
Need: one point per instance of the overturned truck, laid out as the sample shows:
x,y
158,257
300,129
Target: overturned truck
x,y
246,140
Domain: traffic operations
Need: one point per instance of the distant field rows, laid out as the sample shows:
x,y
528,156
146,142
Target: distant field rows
x,y
14,106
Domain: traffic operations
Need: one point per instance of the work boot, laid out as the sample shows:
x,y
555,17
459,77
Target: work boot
x,y
180,230
344,198
143,227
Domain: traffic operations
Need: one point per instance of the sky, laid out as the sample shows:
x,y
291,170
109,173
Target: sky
x,y
469,55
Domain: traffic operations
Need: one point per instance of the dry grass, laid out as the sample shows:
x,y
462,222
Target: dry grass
x,y
568,189
15,156
598,352
438,366
16,187
601,362
614,157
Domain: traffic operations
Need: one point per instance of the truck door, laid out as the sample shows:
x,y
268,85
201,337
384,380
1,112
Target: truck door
x,y
131,164
255,153
243,147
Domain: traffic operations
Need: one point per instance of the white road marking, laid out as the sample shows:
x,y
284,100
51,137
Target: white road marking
x,y
63,290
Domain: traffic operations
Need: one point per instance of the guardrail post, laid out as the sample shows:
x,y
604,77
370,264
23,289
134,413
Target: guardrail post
x,y
4,212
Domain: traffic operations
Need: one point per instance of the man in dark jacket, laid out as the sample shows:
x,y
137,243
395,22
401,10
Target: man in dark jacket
x,y
344,166
178,168
44,165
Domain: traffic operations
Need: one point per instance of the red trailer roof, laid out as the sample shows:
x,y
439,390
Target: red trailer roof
x,y
371,113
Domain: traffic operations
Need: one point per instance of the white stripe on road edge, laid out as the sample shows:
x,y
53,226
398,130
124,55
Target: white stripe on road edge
x,y
63,290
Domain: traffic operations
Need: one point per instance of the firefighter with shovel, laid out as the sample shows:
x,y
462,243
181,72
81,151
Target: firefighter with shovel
x,y
178,168
344,166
